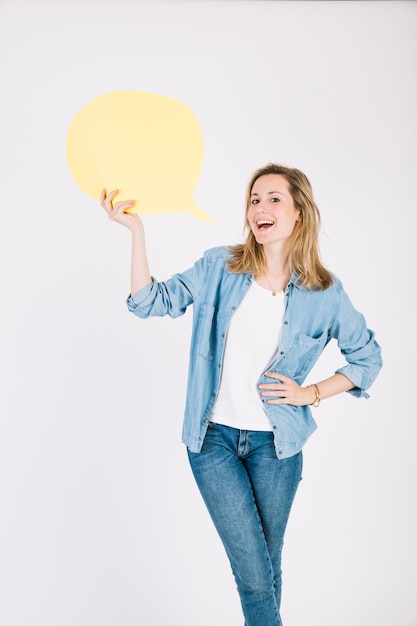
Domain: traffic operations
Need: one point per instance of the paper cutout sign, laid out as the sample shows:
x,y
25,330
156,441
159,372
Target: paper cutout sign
x,y
148,146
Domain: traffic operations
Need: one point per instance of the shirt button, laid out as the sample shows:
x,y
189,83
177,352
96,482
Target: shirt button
x,y
214,394
274,427
285,322
282,352
233,308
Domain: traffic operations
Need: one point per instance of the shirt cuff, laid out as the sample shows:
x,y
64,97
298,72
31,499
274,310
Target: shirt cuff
x,y
139,298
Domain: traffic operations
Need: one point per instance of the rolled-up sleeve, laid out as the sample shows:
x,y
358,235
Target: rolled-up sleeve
x,y
358,345
171,297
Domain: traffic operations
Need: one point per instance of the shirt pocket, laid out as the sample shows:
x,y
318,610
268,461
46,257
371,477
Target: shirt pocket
x,y
302,355
206,332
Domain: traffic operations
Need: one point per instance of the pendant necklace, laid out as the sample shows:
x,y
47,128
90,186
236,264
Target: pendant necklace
x,y
274,292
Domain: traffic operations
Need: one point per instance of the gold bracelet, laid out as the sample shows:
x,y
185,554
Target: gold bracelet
x,y
316,401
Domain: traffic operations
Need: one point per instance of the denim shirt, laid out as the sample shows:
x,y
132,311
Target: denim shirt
x,y
311,319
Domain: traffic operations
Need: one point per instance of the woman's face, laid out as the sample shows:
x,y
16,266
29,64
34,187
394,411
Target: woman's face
x,y
272,214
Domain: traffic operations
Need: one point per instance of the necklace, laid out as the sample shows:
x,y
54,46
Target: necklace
x,y
274,292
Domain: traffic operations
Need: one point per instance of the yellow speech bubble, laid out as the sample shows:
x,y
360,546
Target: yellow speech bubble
x,y
148,146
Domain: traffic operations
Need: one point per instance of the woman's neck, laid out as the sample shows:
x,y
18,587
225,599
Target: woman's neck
x,y
277,264
276,273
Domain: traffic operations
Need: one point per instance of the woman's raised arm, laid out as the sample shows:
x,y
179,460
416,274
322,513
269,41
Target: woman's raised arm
x,y
139,270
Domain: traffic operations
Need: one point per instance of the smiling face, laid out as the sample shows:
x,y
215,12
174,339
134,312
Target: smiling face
x,y
271,213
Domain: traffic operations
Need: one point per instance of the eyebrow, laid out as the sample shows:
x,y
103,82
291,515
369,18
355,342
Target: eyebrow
x,y
270,193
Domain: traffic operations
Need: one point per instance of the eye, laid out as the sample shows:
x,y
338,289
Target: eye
x,y
274,199
254,201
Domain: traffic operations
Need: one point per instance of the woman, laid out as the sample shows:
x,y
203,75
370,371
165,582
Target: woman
x,y
264,311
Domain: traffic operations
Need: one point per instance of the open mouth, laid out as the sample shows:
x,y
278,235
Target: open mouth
x,y
264,224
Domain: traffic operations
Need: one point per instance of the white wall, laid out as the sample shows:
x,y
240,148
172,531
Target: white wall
x,y
100,521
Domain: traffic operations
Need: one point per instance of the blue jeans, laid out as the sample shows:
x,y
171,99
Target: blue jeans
x,y
249,492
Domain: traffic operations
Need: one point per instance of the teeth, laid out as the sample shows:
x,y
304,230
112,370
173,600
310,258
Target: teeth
x,y
263,222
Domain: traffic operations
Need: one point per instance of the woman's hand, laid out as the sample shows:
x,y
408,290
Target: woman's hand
x,y
117,212
287,391
139,270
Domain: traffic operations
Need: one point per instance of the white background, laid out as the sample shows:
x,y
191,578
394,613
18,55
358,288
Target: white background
x,y
100,521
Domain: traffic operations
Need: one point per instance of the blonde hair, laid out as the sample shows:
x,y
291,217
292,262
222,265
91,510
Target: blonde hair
x,y
304,257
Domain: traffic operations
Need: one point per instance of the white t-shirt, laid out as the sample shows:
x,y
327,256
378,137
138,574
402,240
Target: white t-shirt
x,y
251,344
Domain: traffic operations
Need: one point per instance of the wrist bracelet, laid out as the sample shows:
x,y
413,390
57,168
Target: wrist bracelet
x,y
316,401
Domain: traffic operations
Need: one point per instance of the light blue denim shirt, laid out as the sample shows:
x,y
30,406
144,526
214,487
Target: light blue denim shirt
x,y
311,320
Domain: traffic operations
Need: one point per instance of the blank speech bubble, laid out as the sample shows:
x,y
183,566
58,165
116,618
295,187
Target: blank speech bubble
x,y
148,146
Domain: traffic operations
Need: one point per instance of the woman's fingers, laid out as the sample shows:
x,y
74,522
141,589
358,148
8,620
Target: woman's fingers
x,y
114,212
279,376
106,199
285,392
282,391
120,207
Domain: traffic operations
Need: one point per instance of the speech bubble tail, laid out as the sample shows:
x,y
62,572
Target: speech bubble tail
x,y
195,210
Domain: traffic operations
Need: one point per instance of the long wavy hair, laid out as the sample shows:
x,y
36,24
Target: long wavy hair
x,y
304,257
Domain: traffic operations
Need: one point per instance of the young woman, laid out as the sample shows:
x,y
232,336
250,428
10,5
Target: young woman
x,y
263,311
